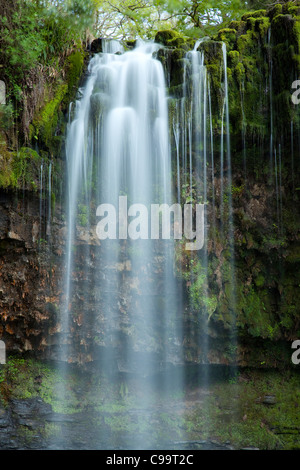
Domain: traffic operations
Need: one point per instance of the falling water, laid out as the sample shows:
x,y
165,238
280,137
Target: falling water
x,y
176,132
49,202
41,199
292,157
198,167
118,146
119,157
230,226
271,102
244,122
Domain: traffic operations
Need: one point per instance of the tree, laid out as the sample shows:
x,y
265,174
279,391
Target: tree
x,y
142,18
202,14
130,19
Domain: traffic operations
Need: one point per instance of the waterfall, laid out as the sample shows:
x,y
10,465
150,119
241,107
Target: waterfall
x,y
41,177
229,218
121,290
118,157
292,157
244,125
271,103
48,231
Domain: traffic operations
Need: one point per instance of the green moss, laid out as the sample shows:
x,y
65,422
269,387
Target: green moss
x,y
291,8
254,14
240,72
45,122
7,176
49,117
233,58
239,26
239,416
259,281
176,42
228,36
296,34
177,67
82,216
254,312
293,254
74,68
251,23
262,25
20,169
170,38
246,43
173,39
286,29
276,10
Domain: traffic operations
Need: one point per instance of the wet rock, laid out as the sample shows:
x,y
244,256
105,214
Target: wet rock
x,y
96,45
4,419
269,400
30,407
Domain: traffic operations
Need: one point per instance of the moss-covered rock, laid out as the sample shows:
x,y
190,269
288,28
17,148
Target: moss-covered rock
x,y
228,36
20,170
74,66
254,14
48,123
44,125
173,39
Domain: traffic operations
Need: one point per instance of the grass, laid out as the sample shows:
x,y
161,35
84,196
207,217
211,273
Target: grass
x,y
228,411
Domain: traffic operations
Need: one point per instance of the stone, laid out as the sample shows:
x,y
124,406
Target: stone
x,y
96,45
269,400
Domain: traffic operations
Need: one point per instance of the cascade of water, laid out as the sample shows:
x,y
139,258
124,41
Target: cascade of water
x,y
198,110
176,132
276,186
49,201
280,190
271,103
229,216
242,89
213,191
112,46
119,157
222,168
118,145
41,200
292,156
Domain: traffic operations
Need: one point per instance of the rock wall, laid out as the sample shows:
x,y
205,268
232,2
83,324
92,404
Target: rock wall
x,y
262,64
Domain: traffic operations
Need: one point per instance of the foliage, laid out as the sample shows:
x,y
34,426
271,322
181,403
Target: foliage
x,y
143,18
35,33
128,19
20,169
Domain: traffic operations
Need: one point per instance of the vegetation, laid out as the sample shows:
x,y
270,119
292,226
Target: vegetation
x,y
42,55
235,412
38,38
129,19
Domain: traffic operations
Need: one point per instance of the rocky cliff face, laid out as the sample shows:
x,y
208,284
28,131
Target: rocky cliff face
x,y
263,61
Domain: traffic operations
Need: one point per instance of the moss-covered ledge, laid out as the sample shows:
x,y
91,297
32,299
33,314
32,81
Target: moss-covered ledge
x,y
48,124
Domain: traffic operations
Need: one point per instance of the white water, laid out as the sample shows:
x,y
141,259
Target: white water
x,y
118,144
